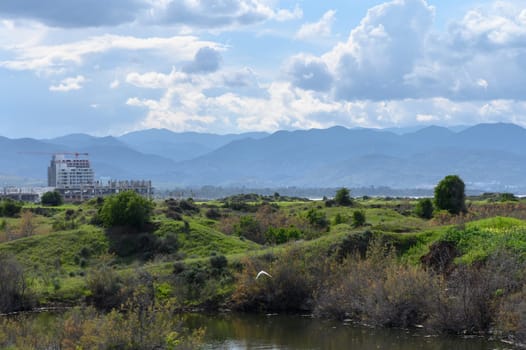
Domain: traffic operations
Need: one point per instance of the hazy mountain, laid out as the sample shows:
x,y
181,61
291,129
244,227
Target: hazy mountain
x,y
180,146
486,156
81,141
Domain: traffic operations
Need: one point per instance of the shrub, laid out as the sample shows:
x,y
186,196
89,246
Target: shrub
x,y
249,228
424,208
213,214
340,219
290,287
450,195
10,208
52,198
343,197
358,218
378,290
317,219
511,320
105,288
282,234
13,289
126,209
218,262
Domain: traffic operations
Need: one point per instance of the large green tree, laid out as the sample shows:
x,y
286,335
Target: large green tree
x,y
450,194
126,209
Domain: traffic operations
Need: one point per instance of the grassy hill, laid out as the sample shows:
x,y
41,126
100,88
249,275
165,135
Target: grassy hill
x,y
207,254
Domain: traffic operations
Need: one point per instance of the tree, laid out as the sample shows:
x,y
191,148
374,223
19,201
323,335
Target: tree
x,y
450,195
358,218
52,198
13,285
27,225
126,209
10,208
424,208
343,197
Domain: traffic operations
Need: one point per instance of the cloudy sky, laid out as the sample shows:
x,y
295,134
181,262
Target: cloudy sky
x,y
221,66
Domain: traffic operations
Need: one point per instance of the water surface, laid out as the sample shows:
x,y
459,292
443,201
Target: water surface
x,y
284,332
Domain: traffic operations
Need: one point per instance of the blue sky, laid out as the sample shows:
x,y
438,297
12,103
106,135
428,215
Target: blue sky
x,y
230,66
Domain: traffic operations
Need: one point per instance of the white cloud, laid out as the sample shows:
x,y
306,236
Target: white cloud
x,y
155,80
482,83
220,13
394,54
69,84
319,29
55,57
115,84
426,118
501,25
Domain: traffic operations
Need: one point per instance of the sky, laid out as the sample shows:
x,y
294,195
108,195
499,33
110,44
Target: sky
x,y
232,66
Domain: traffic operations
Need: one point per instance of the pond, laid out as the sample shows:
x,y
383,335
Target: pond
x,y
285,332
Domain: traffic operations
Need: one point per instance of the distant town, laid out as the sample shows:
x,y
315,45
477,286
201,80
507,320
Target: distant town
x,y
72,175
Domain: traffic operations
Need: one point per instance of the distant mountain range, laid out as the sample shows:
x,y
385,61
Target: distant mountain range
x,y
488,157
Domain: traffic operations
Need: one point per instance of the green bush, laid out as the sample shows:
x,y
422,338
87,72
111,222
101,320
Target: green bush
x,y
52,198
340,219
126,209
343,197
10,208
450,195
282,235
317,219
424,208
218,262
358,218
249,228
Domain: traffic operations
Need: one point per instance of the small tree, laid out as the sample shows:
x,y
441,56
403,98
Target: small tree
x,y
10,208
27,225
450,195
424,208
343,197
52,198
13,285
358,218
126,209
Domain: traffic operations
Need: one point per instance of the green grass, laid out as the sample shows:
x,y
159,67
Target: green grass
x,y
57,251
55,275
202,241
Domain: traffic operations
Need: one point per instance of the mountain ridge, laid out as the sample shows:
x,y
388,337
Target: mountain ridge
x,y
490,156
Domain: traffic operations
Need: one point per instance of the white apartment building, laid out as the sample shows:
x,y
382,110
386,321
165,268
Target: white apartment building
x,y
70,171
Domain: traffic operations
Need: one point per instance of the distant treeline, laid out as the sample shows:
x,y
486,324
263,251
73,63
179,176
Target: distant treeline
x,y
213,192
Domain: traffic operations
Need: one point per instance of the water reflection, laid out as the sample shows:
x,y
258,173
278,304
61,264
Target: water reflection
x,y
282,332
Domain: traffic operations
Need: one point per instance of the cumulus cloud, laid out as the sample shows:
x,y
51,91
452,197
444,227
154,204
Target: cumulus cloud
x,y
221,13
185,106
502,25
206,60
69,84
319,29
381,51
395,54
78,13
309,73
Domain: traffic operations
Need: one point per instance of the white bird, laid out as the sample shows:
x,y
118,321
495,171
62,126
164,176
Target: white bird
x,y
263,273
